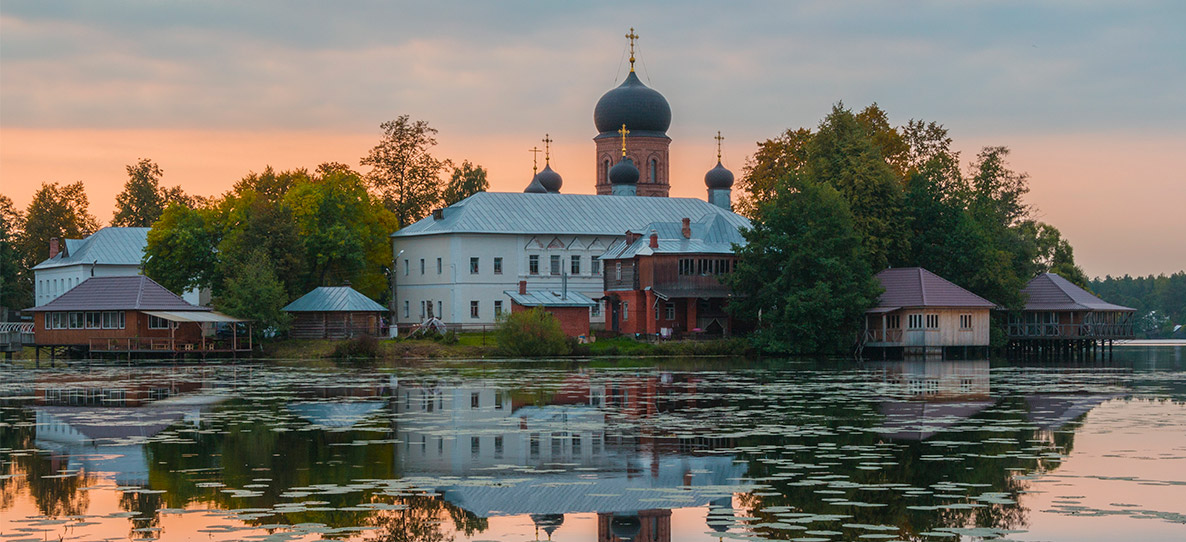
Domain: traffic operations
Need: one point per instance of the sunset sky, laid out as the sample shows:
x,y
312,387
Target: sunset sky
x,y
1088,95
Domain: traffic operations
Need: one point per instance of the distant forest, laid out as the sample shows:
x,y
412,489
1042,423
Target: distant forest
x,y
1160,301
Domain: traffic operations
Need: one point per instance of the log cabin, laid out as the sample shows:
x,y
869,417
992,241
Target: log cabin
x,y
335,312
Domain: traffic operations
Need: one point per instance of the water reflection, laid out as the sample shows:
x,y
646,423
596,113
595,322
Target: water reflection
x,y
907,450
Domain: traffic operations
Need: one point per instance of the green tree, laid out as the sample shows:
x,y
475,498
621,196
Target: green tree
x,y
803,274
14,283
775,159
182,249
467,180
532,333
252,291
142,200
403,172
843,154
56,211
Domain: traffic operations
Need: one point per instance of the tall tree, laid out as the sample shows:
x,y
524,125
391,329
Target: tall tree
x,y
142,200
403,171
56,211
182,249
775,159
14,283
253,291
467,180
803,274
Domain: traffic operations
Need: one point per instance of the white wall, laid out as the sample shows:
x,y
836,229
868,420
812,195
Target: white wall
x,y
49,284
454,287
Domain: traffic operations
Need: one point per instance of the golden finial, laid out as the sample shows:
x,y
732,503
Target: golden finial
x,y
534,159
547,148
719,140
624,132
632,36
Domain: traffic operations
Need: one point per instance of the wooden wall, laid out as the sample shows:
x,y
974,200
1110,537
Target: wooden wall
x,y
333,325
135,325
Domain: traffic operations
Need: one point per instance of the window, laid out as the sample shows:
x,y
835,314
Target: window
x,y
498,447
595,265
421,266
407,308
157,323
893,321
498,400
498,266
474,400
473,309
475,446
94,320
625,310
533,445
497,308
685,267
440,310
576,445
423,305
406,267
914,321
656,311
670,311
533,264
576,265
932,321
473,266
607,166
555,261
596,310
654,170
76,320
440,267
965,321
617,270
113,319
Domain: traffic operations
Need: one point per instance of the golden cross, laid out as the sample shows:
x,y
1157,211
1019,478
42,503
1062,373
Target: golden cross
x,y
534,159
547,148
632,36
719,140
624,133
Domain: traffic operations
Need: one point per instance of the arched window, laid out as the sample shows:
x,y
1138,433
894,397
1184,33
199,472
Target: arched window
x,y
607,166
654,170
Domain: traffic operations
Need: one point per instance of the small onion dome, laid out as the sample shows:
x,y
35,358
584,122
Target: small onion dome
x,y
719,177
634,104
625,527
535,187
550,179
548,522
624,172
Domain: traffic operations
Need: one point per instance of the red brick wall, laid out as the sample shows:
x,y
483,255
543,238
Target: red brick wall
x,y
135,325
574,321
641,150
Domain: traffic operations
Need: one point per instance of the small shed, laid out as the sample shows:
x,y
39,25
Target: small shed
x,y
335,312
921,313
570,307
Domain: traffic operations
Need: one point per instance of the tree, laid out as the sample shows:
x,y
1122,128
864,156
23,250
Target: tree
x,y
14,284
56,211
252,291
803,274
467,180
775,159
142,200
181,253
532,333
403,172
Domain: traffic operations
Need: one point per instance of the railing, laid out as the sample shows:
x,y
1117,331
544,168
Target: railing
x,y
18,327
15,336
165,344
1071,331
886,336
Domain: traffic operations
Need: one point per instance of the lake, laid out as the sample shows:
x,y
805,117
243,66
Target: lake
x,y
607,451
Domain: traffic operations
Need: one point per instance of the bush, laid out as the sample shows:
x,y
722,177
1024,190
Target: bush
x,y
361,347
532,333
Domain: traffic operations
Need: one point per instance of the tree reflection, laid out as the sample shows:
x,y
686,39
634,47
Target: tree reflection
x,y
53,487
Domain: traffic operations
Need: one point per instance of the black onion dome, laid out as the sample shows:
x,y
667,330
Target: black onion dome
x,y
719,177
550,179
624,172
634,104
535,187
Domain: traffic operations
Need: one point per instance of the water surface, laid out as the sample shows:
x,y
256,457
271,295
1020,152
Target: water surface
x,y
605,451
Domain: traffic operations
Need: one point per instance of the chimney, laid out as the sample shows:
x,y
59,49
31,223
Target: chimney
x,y
54,247
687,230
654,240
522,287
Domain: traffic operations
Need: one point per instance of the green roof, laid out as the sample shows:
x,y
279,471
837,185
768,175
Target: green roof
x,y
334,298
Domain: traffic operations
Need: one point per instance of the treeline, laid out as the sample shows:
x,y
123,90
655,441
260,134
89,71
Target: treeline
x,y
1160,300
834,205
273,237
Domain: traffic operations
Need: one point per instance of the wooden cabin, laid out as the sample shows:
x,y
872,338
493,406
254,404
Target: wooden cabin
x,y
132,314
570,307
668,283
335,312
923,314
1060,317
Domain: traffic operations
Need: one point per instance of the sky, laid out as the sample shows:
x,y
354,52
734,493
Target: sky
x,y
1089,96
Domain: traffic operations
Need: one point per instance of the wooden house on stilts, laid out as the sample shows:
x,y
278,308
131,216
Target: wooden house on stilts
x,y
1063,321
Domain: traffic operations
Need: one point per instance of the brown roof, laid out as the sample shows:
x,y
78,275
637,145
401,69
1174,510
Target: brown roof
x,y
1051,292
917,287
118,293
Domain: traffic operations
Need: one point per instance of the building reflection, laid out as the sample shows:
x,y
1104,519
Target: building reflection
x,y
925,397
587,447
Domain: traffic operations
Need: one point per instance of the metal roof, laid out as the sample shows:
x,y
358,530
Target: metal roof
x,y
568,214
550,298
194,316
1051,292
712,234
917,287
334,299
136,292
108,246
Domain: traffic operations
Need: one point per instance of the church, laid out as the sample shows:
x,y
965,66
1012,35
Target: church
x,y
459,264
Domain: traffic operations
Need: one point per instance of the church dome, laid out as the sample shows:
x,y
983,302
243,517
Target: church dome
x,y
719,177
550,179
535,187
639,107
624,172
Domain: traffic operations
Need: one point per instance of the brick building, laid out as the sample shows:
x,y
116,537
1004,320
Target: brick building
x,y
570,307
